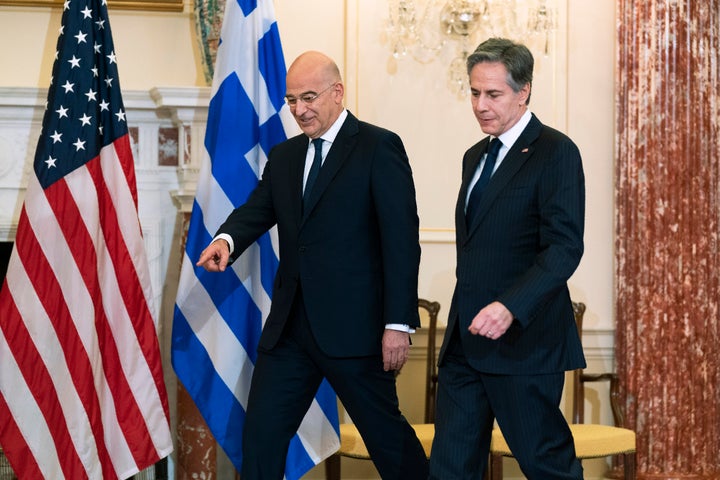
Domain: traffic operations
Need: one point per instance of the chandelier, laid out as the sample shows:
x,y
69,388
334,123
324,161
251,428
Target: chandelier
x,y
422,29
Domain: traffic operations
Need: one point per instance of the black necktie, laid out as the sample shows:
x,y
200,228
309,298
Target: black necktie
x,y
477,191
314,169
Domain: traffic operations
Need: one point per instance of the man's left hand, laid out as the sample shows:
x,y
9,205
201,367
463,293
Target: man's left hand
x,y
395,349
492,321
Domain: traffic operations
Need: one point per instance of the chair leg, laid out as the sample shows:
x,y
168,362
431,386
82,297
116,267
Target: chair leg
x,y
332,467
629,466
496,467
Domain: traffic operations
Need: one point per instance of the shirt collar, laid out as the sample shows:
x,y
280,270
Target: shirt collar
x,y
509,138
332,132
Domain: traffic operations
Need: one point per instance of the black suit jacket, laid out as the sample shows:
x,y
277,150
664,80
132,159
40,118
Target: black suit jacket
x,y
524,245
355,249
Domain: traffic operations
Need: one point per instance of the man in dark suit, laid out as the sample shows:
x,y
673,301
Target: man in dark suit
x,y
511,334
345,294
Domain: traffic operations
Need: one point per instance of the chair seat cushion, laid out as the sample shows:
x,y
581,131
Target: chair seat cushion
x,y
425,433
351,444
591,441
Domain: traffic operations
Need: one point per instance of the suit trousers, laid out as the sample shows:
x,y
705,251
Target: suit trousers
x,y
284,383
527,411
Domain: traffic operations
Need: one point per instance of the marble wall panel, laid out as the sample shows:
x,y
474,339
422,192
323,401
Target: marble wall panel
x,y
667,201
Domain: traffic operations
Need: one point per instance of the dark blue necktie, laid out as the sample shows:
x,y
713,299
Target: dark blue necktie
x,y
314,169
477,191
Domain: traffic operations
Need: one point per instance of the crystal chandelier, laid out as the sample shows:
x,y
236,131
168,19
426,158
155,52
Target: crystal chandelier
x,y
423,29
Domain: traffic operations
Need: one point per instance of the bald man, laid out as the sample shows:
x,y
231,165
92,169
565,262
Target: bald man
x,y
345,294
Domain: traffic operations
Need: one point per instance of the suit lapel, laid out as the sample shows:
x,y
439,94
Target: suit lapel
x,y
344,143
516,157
470,164
296,172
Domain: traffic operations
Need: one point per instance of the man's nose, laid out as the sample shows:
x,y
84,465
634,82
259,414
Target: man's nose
x,y
300,108
479,103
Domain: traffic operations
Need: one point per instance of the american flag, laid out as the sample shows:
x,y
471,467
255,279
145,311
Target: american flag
x,y
81,384
219,316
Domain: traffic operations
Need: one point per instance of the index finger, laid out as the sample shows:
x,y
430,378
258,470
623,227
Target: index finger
x,y
206,255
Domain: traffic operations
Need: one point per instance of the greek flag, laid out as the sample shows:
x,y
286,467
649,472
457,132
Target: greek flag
x,y
219,316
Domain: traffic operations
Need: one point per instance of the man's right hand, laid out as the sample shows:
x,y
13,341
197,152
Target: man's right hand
x,y
215,257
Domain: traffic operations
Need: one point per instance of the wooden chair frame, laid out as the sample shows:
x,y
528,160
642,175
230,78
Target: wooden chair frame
x,y
332,463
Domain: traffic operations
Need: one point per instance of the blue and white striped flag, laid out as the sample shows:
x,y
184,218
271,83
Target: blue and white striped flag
x,y
219,316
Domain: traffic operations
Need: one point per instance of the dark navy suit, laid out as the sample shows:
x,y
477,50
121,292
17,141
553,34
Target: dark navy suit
x,y
348,266
523,246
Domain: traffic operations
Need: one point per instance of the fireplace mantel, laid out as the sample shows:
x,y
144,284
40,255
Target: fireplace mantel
x,y
163,123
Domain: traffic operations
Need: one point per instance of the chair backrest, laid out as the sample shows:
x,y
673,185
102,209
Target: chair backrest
x,y
431,309
580,378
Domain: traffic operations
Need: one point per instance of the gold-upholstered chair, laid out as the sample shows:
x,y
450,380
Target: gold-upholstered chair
x,y
591,440
351,444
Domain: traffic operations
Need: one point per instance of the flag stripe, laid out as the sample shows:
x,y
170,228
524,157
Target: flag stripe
x,y
227,354
327,402
221,409
11,429
69,364
53,435
298,461
139,297
128,334
231,300
95,265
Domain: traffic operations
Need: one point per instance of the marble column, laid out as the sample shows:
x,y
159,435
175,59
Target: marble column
x,y
667,253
